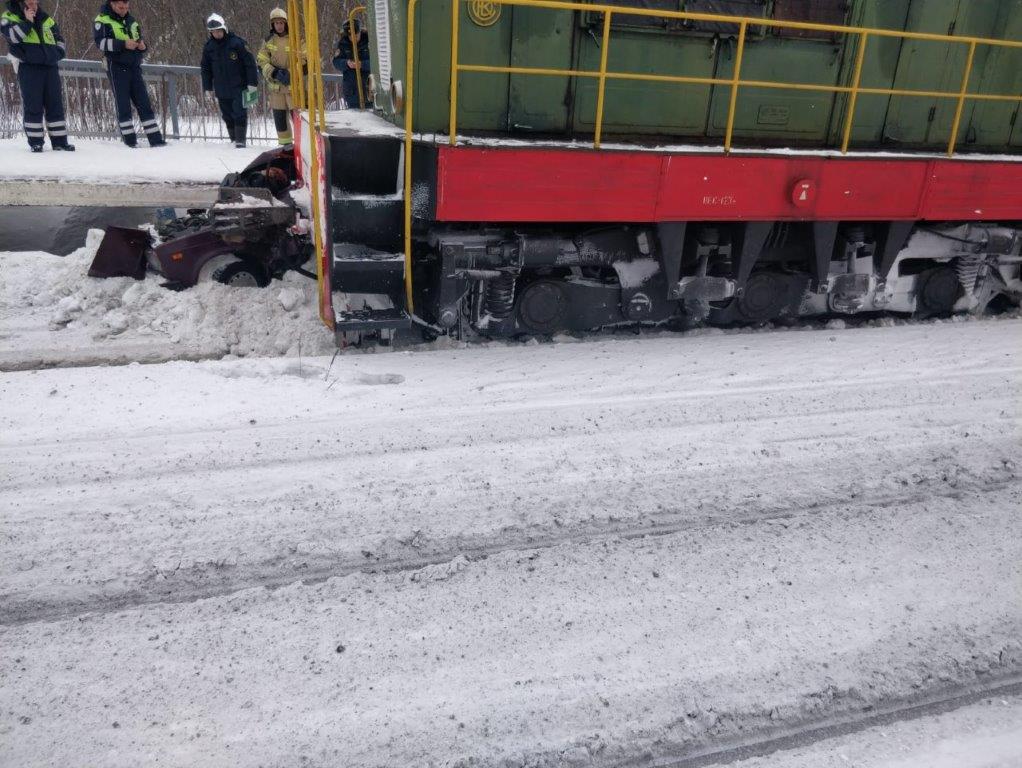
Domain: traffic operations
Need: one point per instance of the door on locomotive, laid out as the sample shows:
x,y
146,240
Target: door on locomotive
x,y
915,121
781,54
540,37
646,45
995,123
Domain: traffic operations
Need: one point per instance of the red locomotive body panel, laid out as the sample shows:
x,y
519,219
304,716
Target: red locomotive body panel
x,y
512,184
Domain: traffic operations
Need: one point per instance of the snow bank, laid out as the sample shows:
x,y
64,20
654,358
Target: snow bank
x,y
53,313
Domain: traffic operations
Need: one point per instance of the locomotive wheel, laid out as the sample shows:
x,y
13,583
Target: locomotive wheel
x,y
762,298
542,307
937,291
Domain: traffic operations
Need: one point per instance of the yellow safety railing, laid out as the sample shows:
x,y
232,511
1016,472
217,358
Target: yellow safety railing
x,y
307,92
295,46
409,122
354,52
735,82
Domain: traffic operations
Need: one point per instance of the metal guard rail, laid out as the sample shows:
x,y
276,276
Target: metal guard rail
x,y
166,74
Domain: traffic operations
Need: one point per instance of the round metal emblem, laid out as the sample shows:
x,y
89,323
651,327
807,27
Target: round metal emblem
x,y
803,194
485,13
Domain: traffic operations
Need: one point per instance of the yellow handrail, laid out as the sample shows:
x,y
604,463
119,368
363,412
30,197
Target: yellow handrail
x,y
409,103
736,81
962,94
294,41
604,49
354,52
856,79
317,121
455,12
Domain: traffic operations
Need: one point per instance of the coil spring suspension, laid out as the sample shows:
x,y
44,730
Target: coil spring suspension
x,y
500,296
968,269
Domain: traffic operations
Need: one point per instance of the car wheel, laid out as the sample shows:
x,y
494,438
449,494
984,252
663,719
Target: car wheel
x,y
239,274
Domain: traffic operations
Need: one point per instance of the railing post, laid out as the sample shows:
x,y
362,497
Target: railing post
x,y
294,37
409,109
175,115
734,86
453,124
961,99
604,46
854,96
354,50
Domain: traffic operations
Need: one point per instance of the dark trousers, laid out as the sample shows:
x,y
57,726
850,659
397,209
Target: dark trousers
x,y
235,117
129,89
350,89
41,95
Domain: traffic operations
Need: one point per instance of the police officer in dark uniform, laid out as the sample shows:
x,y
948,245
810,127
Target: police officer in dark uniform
x,y
229,69
344,60
119,37
37,45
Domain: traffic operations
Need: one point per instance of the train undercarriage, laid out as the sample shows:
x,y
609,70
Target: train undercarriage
x,y
508,241
536,281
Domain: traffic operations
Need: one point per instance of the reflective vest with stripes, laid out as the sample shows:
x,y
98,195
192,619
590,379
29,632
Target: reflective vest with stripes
x,y
28,46
110,33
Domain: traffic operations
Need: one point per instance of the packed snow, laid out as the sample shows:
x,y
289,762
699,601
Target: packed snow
x,y
553,554
52,313
111,162
621,551
984,735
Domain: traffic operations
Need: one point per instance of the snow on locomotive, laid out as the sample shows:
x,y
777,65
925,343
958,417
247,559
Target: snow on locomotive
x,y
532,167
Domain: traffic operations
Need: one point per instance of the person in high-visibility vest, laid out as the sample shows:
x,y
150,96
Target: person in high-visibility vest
x,y
119,37
36,46
274,61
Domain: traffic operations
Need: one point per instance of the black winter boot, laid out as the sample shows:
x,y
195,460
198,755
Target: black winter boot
x,y
240,134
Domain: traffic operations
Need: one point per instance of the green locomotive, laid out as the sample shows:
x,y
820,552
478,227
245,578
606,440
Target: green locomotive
x,y
733,160
520,36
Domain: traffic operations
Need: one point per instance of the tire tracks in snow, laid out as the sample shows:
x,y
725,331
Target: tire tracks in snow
x,y
833,725
218,580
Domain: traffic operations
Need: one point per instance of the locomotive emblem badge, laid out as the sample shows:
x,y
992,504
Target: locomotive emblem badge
x,y
485,13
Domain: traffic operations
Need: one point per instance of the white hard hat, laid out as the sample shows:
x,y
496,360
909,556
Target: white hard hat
x,y
216,21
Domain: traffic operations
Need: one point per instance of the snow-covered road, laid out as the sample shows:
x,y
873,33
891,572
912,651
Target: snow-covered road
x,y
984,735
260,562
